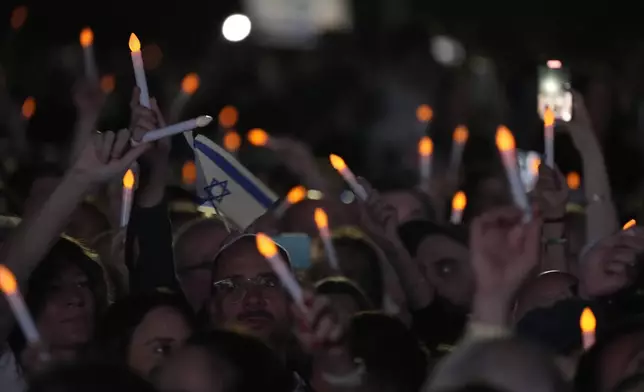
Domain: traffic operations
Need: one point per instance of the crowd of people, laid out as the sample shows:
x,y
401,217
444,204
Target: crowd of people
x,y
492,301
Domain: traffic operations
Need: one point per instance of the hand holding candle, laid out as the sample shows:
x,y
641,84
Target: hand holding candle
x,y
458,206
506,146
322,222
459,138
425,152
126,199
588,325
176,129
341,167
549,136
268,249
87,42
294,196
9,287
139,71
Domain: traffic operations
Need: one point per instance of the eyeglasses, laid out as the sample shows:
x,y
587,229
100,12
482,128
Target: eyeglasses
x,y
235,289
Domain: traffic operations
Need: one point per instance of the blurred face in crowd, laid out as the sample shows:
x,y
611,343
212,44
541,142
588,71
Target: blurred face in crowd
x,y
407,205
544,291
195,250
162,331
192,369
299,217
446,264
248,294
621,359
67,318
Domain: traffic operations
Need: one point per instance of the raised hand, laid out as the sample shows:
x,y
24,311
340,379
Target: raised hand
x,y
551,193
612,264
378,218
143,120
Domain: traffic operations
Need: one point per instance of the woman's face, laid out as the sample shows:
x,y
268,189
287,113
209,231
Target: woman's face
x,y
191,369
162,330
67,319
446,263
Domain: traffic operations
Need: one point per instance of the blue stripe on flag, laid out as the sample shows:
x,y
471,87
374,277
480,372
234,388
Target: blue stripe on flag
x,y
235,175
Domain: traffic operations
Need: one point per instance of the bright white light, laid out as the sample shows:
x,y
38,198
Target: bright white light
x,y
550,86
554,64
236,27
447,51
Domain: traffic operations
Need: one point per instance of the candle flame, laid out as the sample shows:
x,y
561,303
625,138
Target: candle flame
x,y
128,179
461,134
228,116
504,139
425,146
296,195
459,201
424,113
86,37
587,321
321,218
573,180
258,137
232,141
189,173
534,168
135,44
107,83
548,117
337,162
190,83
29,107
629,224
266,246
8,283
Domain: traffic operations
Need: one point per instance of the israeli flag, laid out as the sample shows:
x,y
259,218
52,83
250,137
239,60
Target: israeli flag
x,y
225,184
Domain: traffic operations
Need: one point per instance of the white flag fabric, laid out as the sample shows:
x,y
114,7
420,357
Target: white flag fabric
x,y
224,183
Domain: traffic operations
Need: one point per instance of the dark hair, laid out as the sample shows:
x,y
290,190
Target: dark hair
x,y
255,367
392,354
475,387
63,254
342,285
114,334
90,377
372,283
413,233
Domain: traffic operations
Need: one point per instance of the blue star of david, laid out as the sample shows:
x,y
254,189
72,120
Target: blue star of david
x,y
217,190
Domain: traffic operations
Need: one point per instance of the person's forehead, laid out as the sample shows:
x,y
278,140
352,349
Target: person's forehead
x,y
242,259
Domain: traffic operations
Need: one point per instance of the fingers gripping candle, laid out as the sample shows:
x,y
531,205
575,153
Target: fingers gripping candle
x,y
342,168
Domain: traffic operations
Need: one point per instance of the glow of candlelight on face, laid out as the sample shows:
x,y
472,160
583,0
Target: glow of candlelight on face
x,y
9,287
549,136
459,201
588,325
507,148
29,107
189,173
139,71
258,137
322,223
176,129
232,141
190,83
425,151
459,138
268,249
126,197
424,113
631,223
341,167
573,180
236,28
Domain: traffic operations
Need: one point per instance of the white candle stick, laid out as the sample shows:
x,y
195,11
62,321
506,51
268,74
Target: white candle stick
x,y
87,42
505,144
458,206
139,71
294,196
588,325
322,222
9,287
177,128
425,152
126,199
549,137
339,165
459,138
268,249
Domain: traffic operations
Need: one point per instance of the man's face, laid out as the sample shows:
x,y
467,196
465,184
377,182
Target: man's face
x,y
247,293
195,251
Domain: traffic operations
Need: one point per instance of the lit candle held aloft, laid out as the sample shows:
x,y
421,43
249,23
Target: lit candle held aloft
x,y
341,167
588,325
258,137
507,149
9,287
87,43
139,71
459,201
425,153
176,129
459,138
322,223
549,136
126,197
294,196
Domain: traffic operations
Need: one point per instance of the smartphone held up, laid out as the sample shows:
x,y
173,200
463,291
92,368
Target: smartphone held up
x,y
554,90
